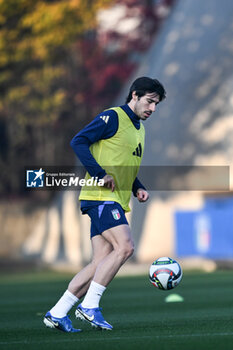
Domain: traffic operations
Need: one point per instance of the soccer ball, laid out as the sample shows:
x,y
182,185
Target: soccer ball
x,y
165,273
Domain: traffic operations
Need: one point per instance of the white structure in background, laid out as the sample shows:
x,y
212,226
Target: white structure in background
x,y
58,234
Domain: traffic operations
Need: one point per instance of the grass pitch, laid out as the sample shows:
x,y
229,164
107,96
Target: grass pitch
x,y
137,310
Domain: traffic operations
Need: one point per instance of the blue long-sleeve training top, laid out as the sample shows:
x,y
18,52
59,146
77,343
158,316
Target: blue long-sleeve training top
x,y
103,126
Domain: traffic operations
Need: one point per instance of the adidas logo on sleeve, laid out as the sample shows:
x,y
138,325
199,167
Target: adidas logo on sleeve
x,y
105,118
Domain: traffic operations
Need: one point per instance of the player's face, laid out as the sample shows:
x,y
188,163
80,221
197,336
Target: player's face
x,y
144,106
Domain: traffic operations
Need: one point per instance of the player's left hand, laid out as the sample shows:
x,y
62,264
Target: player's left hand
x,y
142,195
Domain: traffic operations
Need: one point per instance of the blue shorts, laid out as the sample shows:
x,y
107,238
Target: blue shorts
x,y
105,216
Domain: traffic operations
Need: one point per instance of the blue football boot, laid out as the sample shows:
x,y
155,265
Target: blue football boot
x,y
93,316
63,324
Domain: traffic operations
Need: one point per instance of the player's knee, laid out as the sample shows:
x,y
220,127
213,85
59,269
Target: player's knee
x,y
107,249
130,249
126,250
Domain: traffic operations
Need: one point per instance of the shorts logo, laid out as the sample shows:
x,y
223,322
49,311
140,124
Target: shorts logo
x,y
116,214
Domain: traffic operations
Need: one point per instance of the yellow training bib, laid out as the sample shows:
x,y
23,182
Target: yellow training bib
x,y
120,156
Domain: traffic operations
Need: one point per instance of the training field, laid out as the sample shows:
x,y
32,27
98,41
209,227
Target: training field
x,y
138,311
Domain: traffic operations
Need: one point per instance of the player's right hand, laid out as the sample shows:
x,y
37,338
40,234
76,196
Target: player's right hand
x,y
109,182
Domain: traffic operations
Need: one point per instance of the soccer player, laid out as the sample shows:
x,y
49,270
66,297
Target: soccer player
x,y
110,148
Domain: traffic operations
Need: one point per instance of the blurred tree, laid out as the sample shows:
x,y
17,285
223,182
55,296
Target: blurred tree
x,y
40,79
124,31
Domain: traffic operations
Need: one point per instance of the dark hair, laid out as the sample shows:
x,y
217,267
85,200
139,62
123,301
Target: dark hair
x,y
146,85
